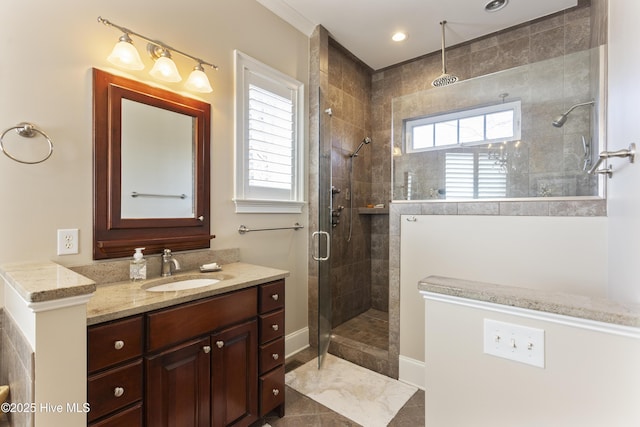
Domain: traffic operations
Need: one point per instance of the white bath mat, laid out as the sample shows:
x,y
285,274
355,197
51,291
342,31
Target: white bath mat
x,y
363,396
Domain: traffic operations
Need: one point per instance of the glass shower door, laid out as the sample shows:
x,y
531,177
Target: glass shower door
x,y
323,235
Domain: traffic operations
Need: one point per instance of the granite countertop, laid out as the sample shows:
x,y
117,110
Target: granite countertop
x,y
121,299
45,281
597,309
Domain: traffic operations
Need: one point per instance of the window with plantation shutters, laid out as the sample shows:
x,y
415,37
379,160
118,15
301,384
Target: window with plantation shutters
x,y
268,139
473,175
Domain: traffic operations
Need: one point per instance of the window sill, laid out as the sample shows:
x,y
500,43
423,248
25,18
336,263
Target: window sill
x,y
268,206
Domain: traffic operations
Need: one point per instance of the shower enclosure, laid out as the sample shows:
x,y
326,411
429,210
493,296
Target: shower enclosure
x,y
346,280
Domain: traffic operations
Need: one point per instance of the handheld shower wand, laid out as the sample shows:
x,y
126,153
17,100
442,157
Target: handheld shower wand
x,y
366,140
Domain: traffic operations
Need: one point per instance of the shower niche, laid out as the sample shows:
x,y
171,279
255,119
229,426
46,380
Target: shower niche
x,y
559,134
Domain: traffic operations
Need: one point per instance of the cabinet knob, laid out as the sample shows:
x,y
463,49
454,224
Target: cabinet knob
x,y
220,344
118,345
275,327
275,297
275,356
118,391
276,392
206,349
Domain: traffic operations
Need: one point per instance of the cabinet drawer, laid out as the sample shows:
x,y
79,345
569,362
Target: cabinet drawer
x,y
114,389
271,326
271,390
186,321
271,296
113,343
271,355
131,417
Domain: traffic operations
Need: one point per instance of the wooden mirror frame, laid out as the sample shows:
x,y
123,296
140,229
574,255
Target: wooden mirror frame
x,y
114,236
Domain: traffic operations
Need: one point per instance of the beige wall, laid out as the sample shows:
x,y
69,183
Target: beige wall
x,y
49,49
564,254
590,377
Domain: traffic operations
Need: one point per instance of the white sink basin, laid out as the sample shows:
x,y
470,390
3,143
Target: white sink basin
x,y
182,285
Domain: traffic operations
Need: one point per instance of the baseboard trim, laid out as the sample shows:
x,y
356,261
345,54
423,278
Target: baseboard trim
x,y
412,372
296,342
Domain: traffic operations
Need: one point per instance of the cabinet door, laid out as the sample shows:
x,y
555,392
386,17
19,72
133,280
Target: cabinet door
x,y
179,387
234,375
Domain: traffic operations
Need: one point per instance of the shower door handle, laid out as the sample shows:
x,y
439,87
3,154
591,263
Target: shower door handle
x,y
316,256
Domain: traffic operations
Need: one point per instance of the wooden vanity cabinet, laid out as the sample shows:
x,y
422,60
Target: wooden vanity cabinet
x,y
218,361
115,373
271,307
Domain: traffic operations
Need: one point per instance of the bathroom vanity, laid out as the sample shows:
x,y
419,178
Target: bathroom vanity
x,y
212,356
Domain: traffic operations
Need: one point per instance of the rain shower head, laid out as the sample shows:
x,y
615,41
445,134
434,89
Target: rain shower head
x,y
365,141
444,79
561,119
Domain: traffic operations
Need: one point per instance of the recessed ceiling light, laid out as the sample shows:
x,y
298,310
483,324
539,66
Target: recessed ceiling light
x,y
399,36
495,5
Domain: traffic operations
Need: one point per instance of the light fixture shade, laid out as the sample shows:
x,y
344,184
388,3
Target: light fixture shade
x,y
165,69
125,55
198,81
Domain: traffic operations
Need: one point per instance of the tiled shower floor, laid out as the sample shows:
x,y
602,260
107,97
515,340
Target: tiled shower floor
x,y
370,327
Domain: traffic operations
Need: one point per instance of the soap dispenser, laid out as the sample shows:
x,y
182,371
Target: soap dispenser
x,y
138,266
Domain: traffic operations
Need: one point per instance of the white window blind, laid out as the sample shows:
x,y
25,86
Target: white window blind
x,y
269,146
492,178
459,176
473,176
271,152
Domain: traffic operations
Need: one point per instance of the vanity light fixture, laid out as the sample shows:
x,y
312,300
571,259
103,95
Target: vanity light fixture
x,y
198,80
164,68
125,55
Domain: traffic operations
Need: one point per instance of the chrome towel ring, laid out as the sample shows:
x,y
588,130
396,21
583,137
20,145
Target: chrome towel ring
x,y
27,130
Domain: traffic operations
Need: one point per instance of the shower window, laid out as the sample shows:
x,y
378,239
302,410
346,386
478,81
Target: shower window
x,y
469,127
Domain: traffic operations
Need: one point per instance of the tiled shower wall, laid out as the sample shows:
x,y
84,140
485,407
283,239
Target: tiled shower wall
x,y
557,35
17,369
349,99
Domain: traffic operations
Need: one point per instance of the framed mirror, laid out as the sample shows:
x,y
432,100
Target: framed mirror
x,y
151,168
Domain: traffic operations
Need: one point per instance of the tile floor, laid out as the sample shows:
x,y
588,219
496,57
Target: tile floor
x,y
371,327
303,411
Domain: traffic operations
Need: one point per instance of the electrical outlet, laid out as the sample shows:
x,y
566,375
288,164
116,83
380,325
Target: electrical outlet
x,y
515,342
68,241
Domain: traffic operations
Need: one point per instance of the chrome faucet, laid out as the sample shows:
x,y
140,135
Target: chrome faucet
x,y
167,260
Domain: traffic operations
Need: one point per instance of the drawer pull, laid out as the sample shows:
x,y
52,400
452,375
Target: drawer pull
x,y
275,297
206,349
220,344
118,345
118,391
275,327
275,356
276,392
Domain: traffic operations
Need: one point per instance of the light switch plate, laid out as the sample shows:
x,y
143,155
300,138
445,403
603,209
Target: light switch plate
x,y
515,342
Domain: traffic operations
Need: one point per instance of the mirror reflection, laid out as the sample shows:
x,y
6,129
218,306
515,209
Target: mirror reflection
x,y
157,162
496,136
